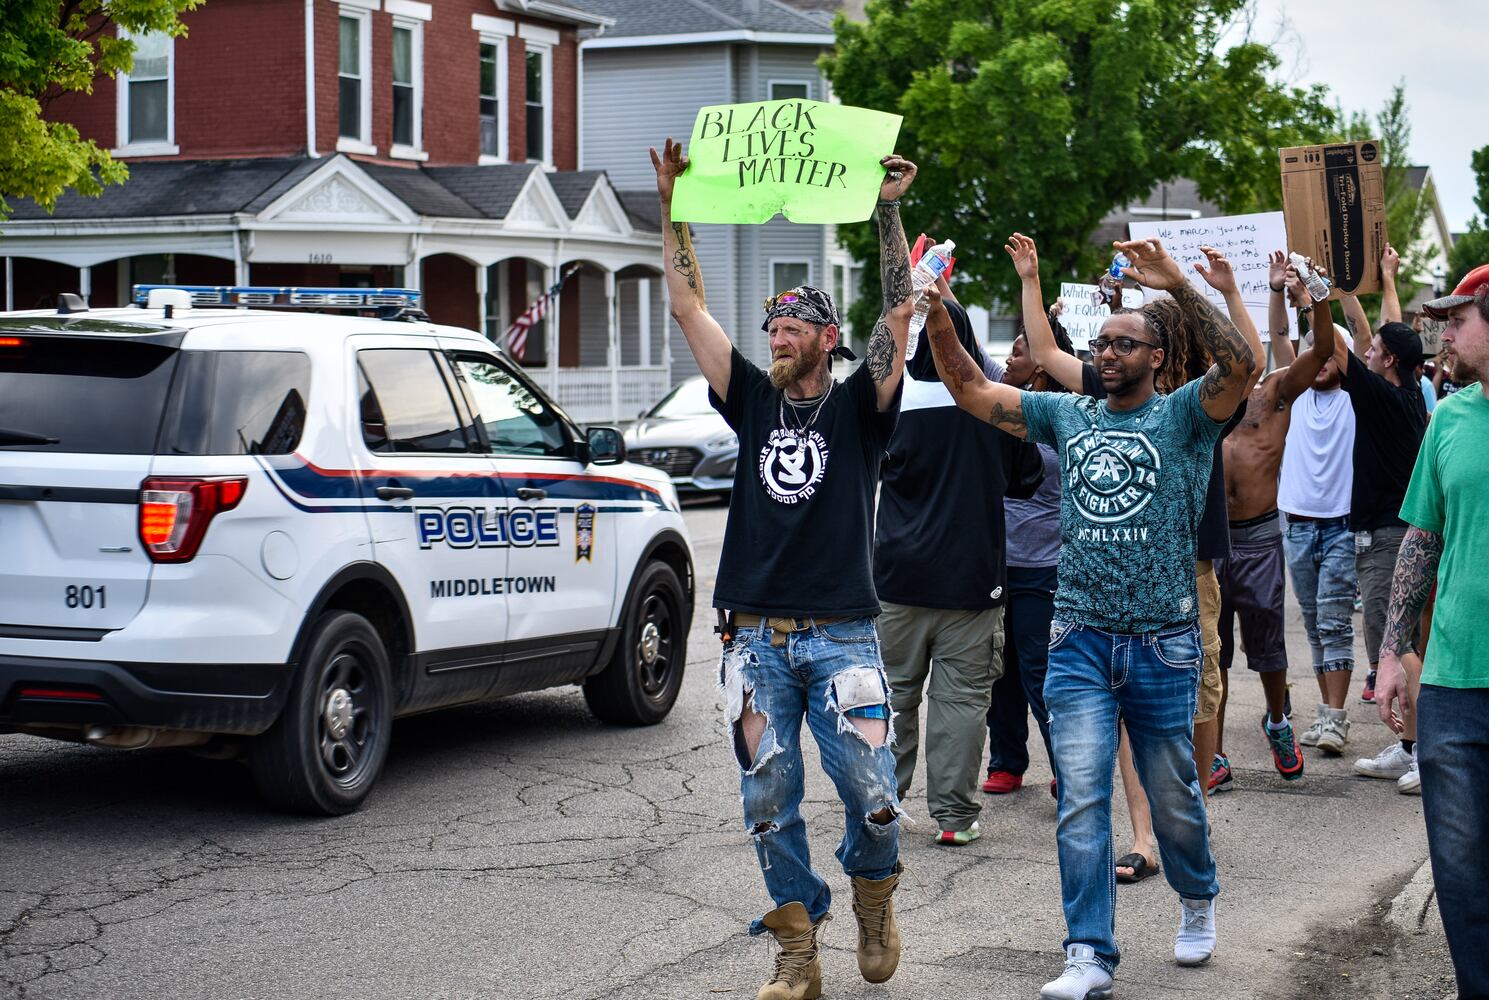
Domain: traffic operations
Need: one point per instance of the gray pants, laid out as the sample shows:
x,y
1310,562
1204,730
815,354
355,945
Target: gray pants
x,y
962,653
1375,563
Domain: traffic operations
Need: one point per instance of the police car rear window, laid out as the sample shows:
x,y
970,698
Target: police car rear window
x,y
84,395
237,403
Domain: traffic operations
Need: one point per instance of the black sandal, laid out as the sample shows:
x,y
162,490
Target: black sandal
x,y
1141,868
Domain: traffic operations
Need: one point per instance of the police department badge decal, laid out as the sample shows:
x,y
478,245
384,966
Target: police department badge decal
x,y
584,532
792,464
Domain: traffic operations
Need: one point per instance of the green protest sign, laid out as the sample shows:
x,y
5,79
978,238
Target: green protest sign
x,y
814,162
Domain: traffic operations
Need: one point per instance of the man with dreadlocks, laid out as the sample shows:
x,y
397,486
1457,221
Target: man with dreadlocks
x,y
1125,636
795,577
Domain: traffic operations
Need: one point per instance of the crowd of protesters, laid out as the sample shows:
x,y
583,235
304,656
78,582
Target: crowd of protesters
x,y
1155,493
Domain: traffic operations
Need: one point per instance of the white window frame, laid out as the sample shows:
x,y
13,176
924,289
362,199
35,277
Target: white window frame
x,y
415,28
121,135
361,143
770,86
771,273
542,42
503,102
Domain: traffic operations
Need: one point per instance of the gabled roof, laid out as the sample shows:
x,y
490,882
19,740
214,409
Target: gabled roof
x,y
490,190
573,188
178,187
649,19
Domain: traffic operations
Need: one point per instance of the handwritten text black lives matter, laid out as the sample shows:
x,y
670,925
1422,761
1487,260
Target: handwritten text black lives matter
x,y
773,145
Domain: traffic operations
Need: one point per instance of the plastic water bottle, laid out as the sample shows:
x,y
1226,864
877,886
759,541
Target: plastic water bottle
x,y
933,263
1317,285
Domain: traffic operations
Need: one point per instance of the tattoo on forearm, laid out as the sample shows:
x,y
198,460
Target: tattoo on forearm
x,y
880,357
1355,328
1416,571
955,365
1009,419
894,256
682,258
1218,335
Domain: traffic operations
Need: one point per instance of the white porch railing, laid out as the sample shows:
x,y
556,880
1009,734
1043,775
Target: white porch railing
x,y
600,395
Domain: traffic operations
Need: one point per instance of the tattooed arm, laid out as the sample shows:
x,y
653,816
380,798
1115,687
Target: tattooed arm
x,y
1416,571
707,340
886,350
1305,368
998,404
1359,325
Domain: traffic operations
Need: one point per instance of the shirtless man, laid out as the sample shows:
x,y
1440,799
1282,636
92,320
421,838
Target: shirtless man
x,y
1251,586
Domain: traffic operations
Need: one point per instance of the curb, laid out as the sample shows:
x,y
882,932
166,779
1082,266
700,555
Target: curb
x,y
1414,910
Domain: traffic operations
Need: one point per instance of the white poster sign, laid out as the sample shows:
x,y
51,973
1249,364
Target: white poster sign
x,y
1246,241
1082,317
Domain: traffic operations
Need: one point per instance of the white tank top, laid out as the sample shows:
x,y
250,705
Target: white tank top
x,y
1318,464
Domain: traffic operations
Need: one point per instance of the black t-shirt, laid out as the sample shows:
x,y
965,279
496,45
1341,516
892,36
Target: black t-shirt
x,y
1213,538
1389,423
799,538
939,539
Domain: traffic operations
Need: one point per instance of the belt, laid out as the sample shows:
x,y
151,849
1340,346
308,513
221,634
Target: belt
x,y
1300,518
1270,515
781,627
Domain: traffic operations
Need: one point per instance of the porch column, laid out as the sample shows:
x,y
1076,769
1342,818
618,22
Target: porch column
x,y
667,332
85,283
643,318
550,328
10,284
481,276
612,322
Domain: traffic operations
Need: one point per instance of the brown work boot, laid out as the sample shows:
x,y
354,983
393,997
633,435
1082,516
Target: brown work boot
x,y
798,974
878,937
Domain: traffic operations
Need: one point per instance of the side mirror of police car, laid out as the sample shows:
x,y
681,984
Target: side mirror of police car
x,y
606,446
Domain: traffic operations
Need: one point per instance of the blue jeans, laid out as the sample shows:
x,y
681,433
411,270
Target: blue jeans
x,y
1321,558
1026,630
1453,755
1152,681
818,674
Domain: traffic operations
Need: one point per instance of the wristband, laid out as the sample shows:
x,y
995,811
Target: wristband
x,y
889,203
1277,291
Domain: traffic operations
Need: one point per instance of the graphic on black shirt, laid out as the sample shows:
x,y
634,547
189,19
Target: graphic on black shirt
x,y
791,465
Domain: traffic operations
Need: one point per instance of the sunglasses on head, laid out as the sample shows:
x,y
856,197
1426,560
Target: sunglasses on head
x,y
784,298
1120,346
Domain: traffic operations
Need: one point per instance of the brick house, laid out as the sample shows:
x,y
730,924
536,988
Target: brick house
x,y
368,143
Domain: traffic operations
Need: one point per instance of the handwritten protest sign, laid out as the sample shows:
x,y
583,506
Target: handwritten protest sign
x,y
1082,317
1430,330
814,162
1246,240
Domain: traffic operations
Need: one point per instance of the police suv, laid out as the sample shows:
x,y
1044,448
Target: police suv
x,y
276,531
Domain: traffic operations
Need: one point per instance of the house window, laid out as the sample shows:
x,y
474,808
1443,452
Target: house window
x,y
539,124
146,97
785,90
353,70
786,274
493,98
408,88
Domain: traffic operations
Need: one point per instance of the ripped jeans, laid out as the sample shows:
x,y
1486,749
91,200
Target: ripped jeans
x,y
819,673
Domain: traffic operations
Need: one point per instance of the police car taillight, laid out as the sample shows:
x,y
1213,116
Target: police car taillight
x,y
174,513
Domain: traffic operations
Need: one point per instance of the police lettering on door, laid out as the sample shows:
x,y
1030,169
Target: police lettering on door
x,y
487,527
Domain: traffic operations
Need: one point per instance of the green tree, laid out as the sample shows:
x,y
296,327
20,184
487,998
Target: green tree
x,y
1042,116
1472,248
48,49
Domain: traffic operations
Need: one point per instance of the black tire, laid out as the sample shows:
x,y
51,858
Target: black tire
x,y
320,758
640,683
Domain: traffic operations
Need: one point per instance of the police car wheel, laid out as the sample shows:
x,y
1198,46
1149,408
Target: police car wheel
x,y
640,683
327,748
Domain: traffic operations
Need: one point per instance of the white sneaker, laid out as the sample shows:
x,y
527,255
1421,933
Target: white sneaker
x,y
1195,942
1084,978
1334,732
1410,783
1309,737
1393,762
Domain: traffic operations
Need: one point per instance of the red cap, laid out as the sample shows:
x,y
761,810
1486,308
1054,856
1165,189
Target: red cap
x,y
1464,293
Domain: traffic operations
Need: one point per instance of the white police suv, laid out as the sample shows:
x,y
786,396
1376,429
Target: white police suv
x,y
279,530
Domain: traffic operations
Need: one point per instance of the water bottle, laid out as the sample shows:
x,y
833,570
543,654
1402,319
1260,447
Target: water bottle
x,y
1317,284
1119,261
933,263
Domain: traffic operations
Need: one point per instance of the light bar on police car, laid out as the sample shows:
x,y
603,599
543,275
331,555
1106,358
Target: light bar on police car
x,y
288,297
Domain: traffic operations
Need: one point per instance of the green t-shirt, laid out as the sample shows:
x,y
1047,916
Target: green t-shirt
x,y
1448,494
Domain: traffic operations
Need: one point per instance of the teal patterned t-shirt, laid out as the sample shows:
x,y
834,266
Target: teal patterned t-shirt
x,y
1133,490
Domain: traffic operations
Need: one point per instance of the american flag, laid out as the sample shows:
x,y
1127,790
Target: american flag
x,y
516,334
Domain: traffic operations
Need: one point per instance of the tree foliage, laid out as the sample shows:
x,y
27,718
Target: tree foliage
x,y
48,49
1042,116
1472,248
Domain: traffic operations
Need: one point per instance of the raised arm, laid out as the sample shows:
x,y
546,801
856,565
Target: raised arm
x,y
994,402
1063,368
886,351
1390,302
1283,352
1411,584
1359,325
1221,277
1305,368
706,339
1224,385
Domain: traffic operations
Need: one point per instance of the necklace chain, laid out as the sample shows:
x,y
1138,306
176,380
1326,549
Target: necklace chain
x,y
801,429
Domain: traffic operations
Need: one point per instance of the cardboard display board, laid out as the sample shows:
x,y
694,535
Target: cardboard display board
x,y
815,162
1082,317
1246,241
1334,198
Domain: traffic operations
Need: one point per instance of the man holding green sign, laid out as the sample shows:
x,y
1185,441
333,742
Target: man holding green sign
x,y
795,586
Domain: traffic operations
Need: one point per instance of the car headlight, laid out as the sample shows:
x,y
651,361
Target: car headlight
x,y
724,442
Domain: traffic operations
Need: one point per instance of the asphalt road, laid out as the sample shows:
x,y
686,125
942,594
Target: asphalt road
x,y
522,850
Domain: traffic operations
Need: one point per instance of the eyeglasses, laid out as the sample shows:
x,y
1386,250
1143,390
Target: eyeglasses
x,y
1120,346
784,298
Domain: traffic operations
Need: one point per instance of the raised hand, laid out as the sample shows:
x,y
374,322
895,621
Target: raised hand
x,y
669,166
899,172
1390,263
1024,254
1297,292
1151,264
1277,271
1219,275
